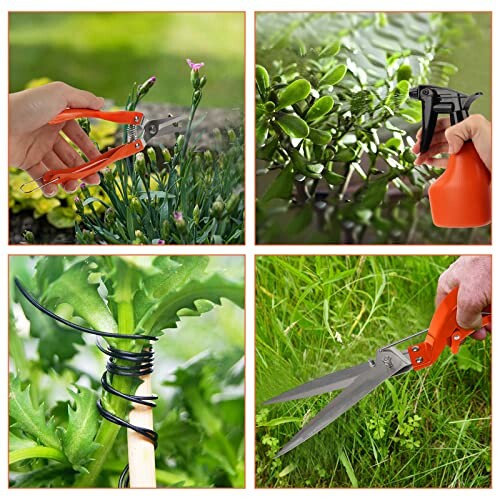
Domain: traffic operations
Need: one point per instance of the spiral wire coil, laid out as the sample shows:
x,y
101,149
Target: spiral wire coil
x,y
120,363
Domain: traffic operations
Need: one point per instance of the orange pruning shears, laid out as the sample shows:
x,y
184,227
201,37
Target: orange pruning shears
x,y
358,381
139,132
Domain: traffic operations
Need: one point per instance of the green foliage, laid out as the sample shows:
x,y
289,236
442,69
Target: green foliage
x,y
161,198
66,442
332,107
318,314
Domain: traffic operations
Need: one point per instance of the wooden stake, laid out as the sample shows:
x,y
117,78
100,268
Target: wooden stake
x,y
141,452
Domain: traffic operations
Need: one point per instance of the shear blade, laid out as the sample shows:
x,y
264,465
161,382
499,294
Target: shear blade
x,y
328,383
359,388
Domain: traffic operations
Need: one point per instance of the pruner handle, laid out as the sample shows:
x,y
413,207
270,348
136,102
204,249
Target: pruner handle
x,y
60,176
125,117
443,331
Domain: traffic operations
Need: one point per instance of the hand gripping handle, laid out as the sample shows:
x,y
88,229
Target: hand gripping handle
x,y
443,331
63,175
126,117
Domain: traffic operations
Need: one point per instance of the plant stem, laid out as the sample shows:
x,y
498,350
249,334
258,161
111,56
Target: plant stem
x,y
108,431
36,452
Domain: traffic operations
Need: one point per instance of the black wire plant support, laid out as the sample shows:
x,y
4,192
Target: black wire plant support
x,y
120,363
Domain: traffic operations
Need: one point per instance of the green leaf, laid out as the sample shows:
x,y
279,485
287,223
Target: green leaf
x,y
333,178
282,186
330,50
301,220
404,72
320,108
31,418
373,195
62,217
293,126
261,131
262,79
166,312
345,155
83,421
319,137
334,76
73,287
293,93
466,360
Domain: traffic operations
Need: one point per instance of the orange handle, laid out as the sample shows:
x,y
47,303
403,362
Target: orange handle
x,y
129,117
461,197
443,331
63,175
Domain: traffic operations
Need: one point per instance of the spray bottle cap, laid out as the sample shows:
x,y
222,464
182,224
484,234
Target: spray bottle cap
x,y
440,100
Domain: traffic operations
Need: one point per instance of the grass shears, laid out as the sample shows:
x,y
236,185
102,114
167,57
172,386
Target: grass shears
x,y
139,132
358,381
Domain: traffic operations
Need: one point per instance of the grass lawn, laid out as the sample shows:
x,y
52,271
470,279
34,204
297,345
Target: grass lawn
x,y
107,52
316,315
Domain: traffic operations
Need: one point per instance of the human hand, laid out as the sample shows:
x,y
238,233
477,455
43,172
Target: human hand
x,y
450,140
36,146
472,275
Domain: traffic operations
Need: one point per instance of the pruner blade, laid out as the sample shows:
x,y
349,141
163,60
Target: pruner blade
x,y
153,128
357,382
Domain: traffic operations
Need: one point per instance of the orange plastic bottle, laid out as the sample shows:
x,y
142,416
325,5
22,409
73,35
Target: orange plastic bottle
x,y
461,196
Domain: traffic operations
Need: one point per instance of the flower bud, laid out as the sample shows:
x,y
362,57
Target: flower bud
x,y
88,237
203,81
231,134
136,205
233,202
109,176
195,79
196,214
152,156
166,155
140,163
196,98
78,205
109,216
29,237
217,208
180,142
143,89
208,156
179,221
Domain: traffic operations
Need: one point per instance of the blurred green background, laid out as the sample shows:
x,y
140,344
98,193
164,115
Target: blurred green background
x,y
107,52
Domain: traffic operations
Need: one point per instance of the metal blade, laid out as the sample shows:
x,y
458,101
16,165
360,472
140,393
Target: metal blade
x,y
328,383
154,128
389,362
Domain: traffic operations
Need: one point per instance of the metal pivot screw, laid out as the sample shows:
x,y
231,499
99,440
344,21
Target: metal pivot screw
x,y
136,119
425,91
387,361
456,337
420,360
371,363
137,145
415,348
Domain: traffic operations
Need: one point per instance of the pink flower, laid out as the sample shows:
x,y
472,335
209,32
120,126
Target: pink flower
x,y
161,242
195,66
83,185
178,217
77,200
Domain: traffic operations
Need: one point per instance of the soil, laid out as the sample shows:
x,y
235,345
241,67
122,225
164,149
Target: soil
x,y
203,138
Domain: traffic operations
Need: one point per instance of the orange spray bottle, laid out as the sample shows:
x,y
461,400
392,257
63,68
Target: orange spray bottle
x,y
461,196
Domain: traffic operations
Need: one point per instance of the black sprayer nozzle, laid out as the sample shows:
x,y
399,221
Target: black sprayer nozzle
x,y
440,100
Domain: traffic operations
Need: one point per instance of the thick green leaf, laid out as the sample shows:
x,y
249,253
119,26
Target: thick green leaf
x,y
345,155
333,178
166,312
282,186
293,126
373,195
261,131
334,76
31,418
262,79
330,50
83,421
293,93
319,137
320,108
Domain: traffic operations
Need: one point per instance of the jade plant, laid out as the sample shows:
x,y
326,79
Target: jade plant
x,y
57,437
178,196
333,123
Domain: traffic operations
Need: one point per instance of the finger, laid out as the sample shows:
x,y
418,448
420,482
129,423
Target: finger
x,y
70,186
76,98
52,161
481,334
49,190
446,283
81,139
433,162
92,180
436,148
67,153
468,308
436,139
36,172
